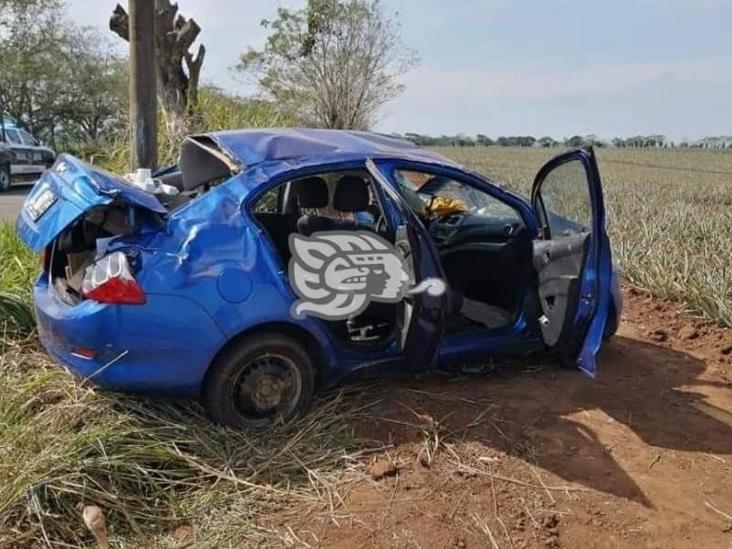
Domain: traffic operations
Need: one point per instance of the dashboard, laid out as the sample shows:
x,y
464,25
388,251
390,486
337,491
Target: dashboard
x,y
463,228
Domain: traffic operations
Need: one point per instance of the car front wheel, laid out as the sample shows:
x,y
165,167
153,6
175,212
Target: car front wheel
x,y
4,178
259,381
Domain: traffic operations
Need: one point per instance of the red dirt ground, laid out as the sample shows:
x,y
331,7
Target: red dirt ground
x,y
536,456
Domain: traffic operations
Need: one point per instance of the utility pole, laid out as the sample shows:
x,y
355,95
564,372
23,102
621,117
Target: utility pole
x,y
2,123
143,89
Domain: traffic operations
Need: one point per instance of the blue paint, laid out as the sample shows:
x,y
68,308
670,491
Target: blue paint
x,y
234,285
210,273
79,187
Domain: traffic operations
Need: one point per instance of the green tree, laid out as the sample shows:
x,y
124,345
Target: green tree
x,y
30,38
58,80
335,62
483,140
546,142
575,141
96,104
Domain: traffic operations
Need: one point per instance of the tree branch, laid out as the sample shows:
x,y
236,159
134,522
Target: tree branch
x,y
119,23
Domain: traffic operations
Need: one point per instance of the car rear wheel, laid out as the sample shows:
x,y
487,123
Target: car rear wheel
x,y
259,381
4,178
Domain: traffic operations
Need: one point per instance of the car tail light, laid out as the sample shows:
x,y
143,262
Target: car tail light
x,y
83,352
110,280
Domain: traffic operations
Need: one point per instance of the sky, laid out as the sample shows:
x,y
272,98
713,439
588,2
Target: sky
x,y
529,67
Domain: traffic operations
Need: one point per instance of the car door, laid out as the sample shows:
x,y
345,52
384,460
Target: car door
x,y
572,257
35,159
22,155
421,316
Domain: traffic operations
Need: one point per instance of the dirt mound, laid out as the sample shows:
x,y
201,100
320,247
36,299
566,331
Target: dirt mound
x,y
531,455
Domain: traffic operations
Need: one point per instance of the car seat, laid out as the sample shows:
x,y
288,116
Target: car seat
x,y
312,193
352,196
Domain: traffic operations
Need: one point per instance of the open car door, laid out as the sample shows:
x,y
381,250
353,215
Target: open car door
x,y
572,257
420,316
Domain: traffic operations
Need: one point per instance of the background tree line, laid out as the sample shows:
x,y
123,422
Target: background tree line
x,y
639,142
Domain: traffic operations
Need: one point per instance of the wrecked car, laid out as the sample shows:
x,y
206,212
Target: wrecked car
x,y
267,265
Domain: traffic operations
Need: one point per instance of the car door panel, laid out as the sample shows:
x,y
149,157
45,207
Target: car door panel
x,y
559,264
572,257
405,308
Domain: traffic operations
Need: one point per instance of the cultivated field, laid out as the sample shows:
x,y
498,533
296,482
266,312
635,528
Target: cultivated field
x,y
669,216
517,455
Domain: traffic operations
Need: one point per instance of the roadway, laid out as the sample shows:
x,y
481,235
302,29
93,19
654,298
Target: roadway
x,y
11,201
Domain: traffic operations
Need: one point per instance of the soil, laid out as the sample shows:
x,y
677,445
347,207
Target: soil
x,y
532,455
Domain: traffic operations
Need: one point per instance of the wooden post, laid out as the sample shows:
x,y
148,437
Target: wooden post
x,y
2,124
143,89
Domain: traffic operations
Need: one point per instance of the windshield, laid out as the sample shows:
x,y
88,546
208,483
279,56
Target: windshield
x,y
428,193
27,138
12,136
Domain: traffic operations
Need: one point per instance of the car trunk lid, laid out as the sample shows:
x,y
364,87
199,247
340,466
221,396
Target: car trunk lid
x,y
68,190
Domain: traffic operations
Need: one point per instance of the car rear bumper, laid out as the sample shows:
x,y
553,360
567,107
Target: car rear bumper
x,y
161,347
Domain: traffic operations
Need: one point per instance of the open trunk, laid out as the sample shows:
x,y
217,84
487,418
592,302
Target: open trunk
x,y
72,188
72,213
75,209
71,254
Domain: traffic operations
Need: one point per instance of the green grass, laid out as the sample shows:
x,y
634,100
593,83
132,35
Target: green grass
x,y
18,268
220,112
669,216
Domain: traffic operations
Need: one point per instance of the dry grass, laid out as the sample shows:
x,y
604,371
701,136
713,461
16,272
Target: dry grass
x,y
669,216
152,465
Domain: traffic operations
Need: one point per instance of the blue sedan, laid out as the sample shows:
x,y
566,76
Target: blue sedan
x,y
269,264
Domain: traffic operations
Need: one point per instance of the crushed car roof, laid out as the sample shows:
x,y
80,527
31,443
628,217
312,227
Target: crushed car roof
x,y
250,147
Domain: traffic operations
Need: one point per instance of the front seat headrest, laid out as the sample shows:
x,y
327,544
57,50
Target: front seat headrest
x,y
351,194
311,192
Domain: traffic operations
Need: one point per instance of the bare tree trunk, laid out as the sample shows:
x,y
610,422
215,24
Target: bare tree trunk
x,y
143,104
178,69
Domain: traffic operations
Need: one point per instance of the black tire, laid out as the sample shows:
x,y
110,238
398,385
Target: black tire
x,y
4,177
260,380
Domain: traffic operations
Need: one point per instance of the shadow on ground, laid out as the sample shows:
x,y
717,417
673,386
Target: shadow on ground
x,y
549,416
